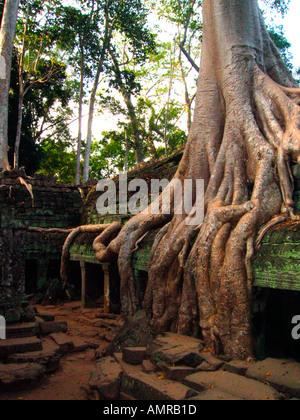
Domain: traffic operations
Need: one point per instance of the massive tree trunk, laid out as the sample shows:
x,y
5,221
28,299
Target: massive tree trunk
x,y
7,33
243,139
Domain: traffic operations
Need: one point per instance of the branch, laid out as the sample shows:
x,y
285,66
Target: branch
x,y
61,129
187,55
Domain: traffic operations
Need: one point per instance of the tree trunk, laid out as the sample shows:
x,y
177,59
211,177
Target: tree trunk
x,y
187,99
139,152
166,142
19,127
7,34
243,139
79,137
105,47
22,92
90,122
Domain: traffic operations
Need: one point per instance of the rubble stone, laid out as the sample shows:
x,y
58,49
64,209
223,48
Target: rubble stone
x,y
64,342
210,362
176,373
107,378
239,367
136,332
147,387
175,349
52,327
14,375
134,355
284,375
235,385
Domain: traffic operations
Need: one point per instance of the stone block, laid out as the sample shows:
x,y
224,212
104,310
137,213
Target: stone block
x,y
239,367
107,378
64,342
19,345
134,355
49,357
174,349
52,327
21,330
14,375
215,394
238,386
210,362
284,375
147,387
176,373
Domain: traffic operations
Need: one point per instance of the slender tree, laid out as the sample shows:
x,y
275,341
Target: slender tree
x,y
77,29
129,20
7,33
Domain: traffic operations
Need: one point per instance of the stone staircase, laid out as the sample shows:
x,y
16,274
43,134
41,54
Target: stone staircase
x,y
20,338
34,349
28,352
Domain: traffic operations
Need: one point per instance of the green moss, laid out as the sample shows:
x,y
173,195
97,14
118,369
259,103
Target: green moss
x,y
277,264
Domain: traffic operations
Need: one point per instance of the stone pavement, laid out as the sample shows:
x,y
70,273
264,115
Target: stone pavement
x,y
176,367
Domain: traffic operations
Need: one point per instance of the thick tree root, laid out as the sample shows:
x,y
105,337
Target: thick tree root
x,y
69,242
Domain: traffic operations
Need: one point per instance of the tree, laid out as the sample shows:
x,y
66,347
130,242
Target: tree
x,y
186,16
128,18
7,33
38,63
78,36
117,150
243,141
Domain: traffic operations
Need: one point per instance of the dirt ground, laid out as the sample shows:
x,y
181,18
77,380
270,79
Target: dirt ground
x,y
70,381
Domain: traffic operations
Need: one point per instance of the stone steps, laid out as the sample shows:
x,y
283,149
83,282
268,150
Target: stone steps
x,y
49,357
19,345
21,330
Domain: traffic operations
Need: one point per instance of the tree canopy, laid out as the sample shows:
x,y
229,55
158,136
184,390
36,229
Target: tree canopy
x,y
132,63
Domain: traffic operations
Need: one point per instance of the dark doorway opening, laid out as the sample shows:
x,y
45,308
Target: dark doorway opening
x,y
274,322
114,289
74,285
53,270
31,276
94,284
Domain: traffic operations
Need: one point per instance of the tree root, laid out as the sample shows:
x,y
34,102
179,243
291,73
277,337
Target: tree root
x,y
69,242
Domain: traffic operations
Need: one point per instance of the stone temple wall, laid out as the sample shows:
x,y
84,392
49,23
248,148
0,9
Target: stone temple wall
x,y
42,203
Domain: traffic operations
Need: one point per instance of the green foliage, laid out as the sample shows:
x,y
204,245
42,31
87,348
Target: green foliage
x,y
44,77
141,67
282,44
108,157
280,6
59,159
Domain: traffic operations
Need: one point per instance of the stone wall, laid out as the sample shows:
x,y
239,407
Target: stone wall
x,y
37,202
